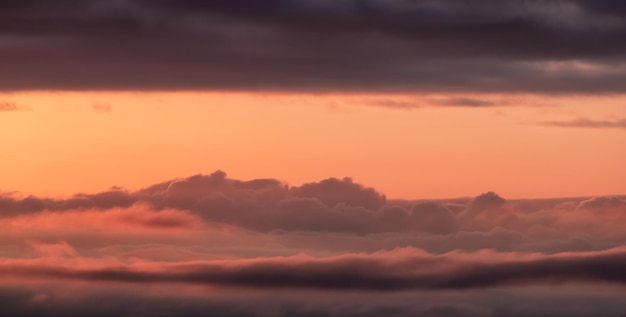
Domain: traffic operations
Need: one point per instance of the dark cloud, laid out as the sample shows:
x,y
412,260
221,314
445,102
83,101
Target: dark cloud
x,y
333,191
589,123
433,217
295,45
10,206
467,102
393,104
127,302
392,271
344,206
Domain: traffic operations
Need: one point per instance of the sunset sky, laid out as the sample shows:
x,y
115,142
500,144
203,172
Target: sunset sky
x,y
312,158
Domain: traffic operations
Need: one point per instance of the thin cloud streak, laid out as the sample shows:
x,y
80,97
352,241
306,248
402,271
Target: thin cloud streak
x,y
101,107
588,123
7,106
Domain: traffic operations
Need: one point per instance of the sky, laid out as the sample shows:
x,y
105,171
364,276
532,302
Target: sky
x,y
312,158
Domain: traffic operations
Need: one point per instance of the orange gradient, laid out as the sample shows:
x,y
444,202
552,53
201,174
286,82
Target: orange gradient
x,y
406,146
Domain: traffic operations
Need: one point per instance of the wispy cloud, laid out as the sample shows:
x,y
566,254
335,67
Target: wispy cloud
x,y
467,102
392,104
588,123
11,106
102,107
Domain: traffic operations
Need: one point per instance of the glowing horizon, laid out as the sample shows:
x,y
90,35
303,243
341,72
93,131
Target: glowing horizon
x,y
95,140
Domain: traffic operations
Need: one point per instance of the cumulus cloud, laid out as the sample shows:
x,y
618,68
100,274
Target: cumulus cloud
x,y
330,205
333,191
296,45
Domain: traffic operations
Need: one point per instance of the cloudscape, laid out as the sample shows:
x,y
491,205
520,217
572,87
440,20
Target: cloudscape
x,y
312,158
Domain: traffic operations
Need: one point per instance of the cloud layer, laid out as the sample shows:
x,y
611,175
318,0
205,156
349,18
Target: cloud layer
x,y
300,250
402,269
295,45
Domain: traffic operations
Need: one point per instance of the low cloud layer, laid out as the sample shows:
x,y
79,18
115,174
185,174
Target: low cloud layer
x,y
293,45
299,249
403,269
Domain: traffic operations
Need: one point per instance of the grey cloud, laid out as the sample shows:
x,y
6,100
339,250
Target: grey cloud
x,y
379,272
321,46
343,212
333,191
602,202
19,302
10,206
393,104
467,102
433,217
589,123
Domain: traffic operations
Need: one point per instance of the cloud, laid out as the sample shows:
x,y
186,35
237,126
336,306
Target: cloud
x,y
294,45
100,107
589,123
11,106
335,205
214,245
602,203
402,269
10,206
8,106
333,191
53,249
393,104
467,102
139,219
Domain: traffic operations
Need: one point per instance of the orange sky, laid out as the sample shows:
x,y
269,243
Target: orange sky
x,y
60,144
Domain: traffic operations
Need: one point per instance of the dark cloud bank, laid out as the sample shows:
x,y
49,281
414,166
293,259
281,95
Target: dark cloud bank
x,y
379,272
557,46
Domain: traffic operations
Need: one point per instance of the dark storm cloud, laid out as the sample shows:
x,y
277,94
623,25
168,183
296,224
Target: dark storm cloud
x,y
387,271
298,45
589,123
